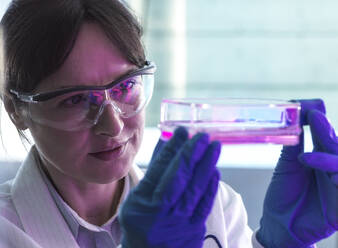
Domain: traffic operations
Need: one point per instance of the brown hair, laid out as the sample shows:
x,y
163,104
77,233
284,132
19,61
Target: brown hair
x,y
38,36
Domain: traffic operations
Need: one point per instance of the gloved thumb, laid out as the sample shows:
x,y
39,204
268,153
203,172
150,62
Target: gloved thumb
x,y
288,160
307,105
323,135
325,155
163,154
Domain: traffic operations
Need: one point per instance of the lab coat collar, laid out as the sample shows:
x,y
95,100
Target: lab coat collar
x,y
37,210
39,215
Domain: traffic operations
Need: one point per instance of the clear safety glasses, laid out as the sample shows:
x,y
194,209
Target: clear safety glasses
x,y
78,108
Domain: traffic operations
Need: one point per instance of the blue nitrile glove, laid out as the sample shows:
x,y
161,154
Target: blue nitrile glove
x,y
300,207
325,153
170,205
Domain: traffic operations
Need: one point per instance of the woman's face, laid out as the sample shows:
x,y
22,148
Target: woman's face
x,y
77,155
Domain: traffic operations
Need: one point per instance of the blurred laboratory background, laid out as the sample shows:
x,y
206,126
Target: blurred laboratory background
x,y
281,49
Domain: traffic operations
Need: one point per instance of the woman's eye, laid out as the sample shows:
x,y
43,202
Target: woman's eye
x,y
73,100
122,89
127,85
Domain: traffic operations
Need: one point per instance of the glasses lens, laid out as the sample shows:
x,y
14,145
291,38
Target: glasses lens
x,y
132,94
68,111
81,109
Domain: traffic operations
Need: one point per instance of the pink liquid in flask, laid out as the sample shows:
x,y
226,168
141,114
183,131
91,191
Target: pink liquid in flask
x,y
244,138
238,135
233,121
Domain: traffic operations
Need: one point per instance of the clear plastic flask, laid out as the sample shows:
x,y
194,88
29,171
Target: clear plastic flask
x,y
233,120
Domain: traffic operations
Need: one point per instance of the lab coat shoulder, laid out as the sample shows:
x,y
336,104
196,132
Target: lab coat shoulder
x,y
229,218
7,209
11,230
29,217
227,222
11,236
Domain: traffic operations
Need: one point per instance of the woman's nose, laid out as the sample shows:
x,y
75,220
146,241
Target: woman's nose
x,y
109,122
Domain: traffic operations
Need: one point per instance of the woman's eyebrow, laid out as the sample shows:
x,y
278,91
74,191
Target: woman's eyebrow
x,y
81,85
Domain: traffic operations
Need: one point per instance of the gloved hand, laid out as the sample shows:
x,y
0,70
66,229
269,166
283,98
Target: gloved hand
x,y
169,207
300,207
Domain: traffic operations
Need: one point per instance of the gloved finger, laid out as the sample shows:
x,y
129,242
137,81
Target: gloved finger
x,y
204,170
307,105
205,204
158,148
179,172
320,161
323,135
161,161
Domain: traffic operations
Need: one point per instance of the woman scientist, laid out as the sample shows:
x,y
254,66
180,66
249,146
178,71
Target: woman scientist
x,y
76,77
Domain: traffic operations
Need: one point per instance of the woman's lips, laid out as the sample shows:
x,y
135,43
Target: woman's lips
x,y
111,154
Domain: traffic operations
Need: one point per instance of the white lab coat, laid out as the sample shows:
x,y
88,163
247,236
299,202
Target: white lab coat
x,y
29,218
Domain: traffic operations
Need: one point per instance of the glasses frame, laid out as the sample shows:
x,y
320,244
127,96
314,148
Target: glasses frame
x,y
148,69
